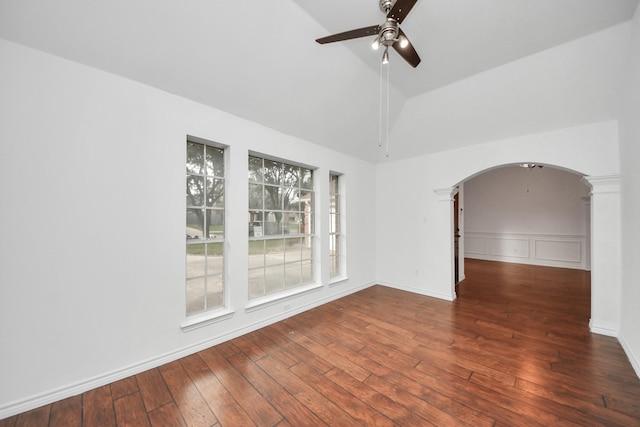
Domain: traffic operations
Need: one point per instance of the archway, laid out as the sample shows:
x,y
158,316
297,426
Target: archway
x,y
604,248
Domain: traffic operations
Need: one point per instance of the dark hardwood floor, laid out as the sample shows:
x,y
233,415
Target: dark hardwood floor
x,y
514,349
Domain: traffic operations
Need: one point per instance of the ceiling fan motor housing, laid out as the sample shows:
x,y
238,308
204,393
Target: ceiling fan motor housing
x,y
386,5
388,32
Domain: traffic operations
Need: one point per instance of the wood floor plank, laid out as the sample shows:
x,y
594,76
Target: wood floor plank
x,y
434,354
321,350
310,330
291,409
34,418
470,416
433,415
281,353
67,413
190,403
130,411
316,402
166,416
363,413
629,406
440,400
553,408
221,402
592,404
153,389
228,348
259,410
247,345
124,387
483,399
296,351
9,421
98,408
383,404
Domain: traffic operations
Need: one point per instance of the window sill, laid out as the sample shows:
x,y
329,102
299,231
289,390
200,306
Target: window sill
x,y
281,296
205,319
338,280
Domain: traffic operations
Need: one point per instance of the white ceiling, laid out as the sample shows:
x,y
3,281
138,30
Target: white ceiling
x,y
258,59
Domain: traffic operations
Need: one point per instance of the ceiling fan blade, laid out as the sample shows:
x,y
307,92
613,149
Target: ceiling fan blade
x,y
352,34
401,9
408,52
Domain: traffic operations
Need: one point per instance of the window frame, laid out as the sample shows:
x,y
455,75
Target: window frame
x,y
337,238
221,311
258,215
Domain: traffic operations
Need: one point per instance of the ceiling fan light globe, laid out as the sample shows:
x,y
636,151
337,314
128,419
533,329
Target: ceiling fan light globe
x,y
404,42
376,44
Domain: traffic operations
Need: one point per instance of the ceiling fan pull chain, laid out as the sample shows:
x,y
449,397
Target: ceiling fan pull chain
x,y
388,96
380,115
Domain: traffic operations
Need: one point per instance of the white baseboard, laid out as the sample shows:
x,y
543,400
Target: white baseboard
x,y
51,396
608,330
630,355
419,291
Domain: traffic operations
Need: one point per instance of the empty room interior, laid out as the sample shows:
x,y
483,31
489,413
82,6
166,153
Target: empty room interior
x,y
397,212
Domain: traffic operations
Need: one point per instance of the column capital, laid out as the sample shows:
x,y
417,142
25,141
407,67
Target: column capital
x,y
446,194
603,184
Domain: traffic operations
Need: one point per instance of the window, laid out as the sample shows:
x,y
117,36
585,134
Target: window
x,y
205,228
335,230
281,206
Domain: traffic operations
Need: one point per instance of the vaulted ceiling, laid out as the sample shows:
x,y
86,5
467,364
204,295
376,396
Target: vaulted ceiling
x,y
258,59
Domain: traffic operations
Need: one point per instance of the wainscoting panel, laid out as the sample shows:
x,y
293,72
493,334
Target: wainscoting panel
x,y
539,249
557,250
474,245
507,247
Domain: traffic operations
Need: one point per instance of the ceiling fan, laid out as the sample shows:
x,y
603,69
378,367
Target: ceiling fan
x,y
387,34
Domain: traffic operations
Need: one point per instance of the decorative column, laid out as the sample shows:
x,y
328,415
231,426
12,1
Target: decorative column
x,y
587,232
605,254
444,238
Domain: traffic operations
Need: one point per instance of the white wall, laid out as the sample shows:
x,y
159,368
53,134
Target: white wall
x,y
92,260
415,223
518,200
533,216
629,156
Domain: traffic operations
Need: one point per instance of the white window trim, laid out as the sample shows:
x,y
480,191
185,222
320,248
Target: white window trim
x,y
207,317
200,320
338,280
342,276
271,299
